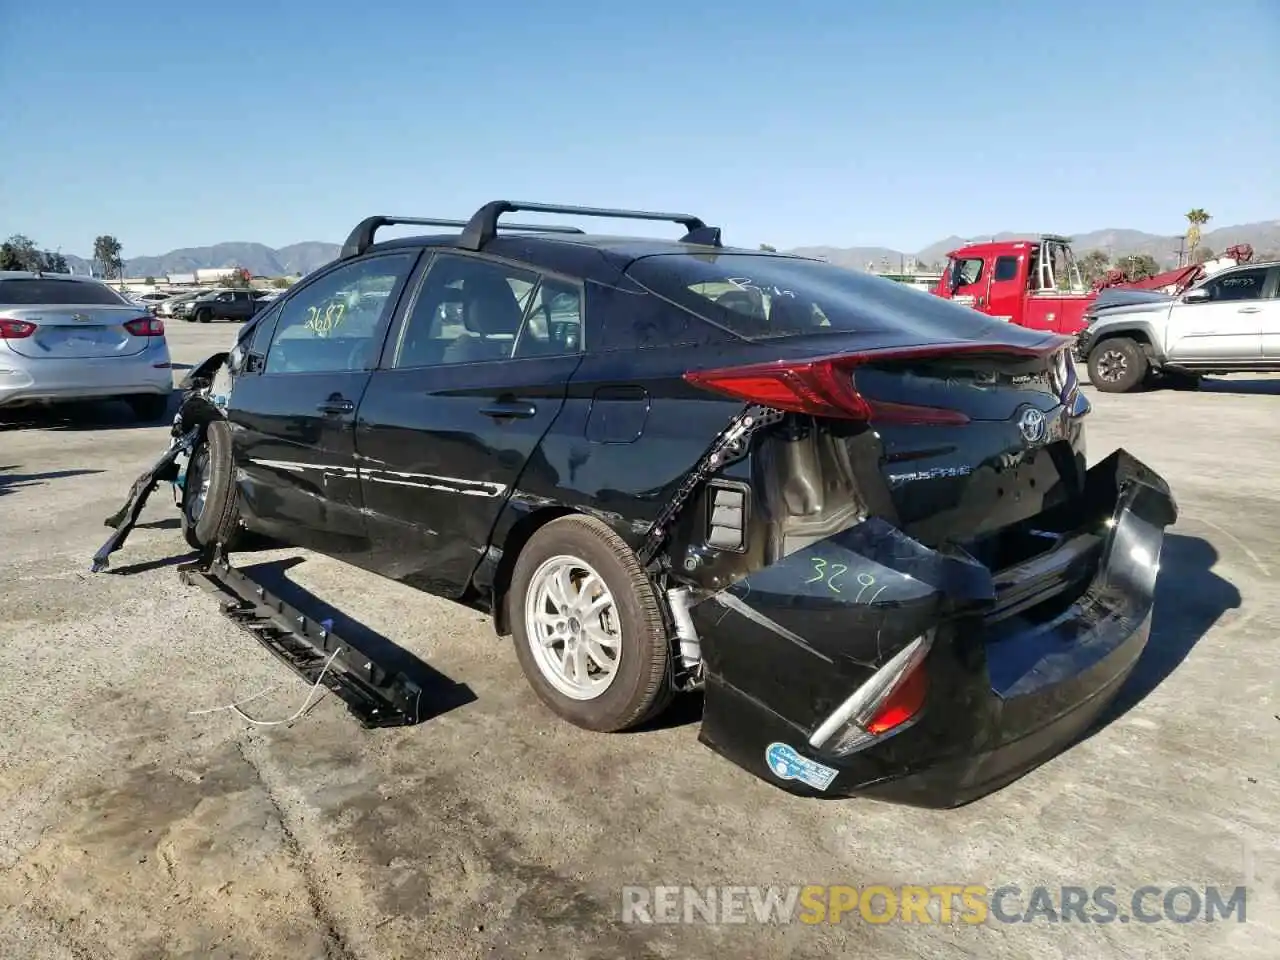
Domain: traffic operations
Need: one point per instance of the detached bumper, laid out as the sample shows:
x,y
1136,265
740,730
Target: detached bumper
x,y
1022,661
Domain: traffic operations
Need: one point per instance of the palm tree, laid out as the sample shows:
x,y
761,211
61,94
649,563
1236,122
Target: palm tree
x,y
1196,217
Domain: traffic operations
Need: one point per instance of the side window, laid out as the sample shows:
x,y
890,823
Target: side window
x,y
466,310
1006,269
331,324
553,326
1238,285
225,297
969,270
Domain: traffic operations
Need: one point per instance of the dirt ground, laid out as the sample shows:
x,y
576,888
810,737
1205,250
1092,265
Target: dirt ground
x,y
134,825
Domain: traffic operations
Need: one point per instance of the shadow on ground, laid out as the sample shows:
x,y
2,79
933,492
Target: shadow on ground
x,y
1190,599
440,693
80,415
13,482
1258,388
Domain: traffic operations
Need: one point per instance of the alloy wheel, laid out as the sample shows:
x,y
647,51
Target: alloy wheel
x,y
572,624
1112,365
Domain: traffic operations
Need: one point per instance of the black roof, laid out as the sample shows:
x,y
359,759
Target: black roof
x,y
558,248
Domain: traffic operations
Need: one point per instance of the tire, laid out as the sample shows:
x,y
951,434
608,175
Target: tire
x,y
639,685
148,407
213,518
203,316
1117,365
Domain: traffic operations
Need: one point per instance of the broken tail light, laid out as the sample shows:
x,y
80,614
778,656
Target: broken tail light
x,y
886,704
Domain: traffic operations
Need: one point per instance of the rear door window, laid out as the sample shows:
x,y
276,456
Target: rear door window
x,y
1006,269
553,323
762,297
467,310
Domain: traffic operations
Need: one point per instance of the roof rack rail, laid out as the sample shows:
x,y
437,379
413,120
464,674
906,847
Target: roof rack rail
x,y
483,225
361,238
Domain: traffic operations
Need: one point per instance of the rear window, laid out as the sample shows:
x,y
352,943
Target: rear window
x,y
40,291
761,297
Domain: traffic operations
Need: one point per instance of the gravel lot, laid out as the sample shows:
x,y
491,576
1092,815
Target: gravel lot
x,y
130,827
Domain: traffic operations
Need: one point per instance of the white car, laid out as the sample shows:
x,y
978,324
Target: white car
x,y
65,337
1228,323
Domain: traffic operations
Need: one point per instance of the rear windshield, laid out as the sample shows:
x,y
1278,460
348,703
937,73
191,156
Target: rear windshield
x,y
40,291
760,297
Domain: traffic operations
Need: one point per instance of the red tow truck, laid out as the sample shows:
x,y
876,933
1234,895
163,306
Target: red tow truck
x,y
1033,283
1036,283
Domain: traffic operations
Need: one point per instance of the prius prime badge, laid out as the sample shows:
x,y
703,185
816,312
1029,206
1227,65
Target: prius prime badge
x,y
1032,425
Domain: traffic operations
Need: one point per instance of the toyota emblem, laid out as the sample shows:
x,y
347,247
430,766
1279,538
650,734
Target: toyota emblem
x,y
1032,425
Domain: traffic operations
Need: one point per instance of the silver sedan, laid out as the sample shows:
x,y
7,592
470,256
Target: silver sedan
x,y
65,337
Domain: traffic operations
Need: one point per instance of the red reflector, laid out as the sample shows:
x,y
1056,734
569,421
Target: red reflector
x,y
15,329
146,327
903,704
822,388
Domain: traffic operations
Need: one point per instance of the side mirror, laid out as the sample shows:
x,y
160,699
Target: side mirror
x,y
1199,295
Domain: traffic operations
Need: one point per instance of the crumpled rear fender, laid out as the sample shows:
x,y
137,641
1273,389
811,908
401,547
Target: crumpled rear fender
x,y
785,646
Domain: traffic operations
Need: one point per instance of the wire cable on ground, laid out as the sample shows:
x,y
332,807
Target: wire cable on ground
x,y
306,704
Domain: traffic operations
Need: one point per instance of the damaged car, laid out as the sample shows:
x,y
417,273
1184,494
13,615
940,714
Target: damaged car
x,y
860,521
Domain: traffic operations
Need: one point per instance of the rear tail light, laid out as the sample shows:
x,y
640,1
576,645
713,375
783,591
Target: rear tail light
x,y
822,388
825,387
888,703
146,327
15,329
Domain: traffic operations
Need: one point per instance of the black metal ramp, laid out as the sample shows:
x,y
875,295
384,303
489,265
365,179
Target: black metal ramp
x,y
377,695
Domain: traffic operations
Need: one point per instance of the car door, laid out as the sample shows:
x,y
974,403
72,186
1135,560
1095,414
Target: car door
x,y
472,377
293,409
1269,312
971,279
1220,319
242,306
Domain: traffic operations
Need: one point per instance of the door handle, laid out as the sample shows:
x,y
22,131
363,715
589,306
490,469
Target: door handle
x,y
502,409
335,406
1249,310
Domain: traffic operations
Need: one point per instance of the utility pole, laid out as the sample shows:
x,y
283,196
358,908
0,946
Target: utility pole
x,y
1182,250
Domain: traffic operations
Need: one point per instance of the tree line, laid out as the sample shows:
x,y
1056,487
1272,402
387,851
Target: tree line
x,y
20,252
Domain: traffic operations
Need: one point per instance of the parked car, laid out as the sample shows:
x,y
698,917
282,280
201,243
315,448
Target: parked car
x,y
1227,323
860,519
236,305
173,307
65,337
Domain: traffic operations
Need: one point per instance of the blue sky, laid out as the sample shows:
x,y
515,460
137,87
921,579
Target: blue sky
x,y
807,122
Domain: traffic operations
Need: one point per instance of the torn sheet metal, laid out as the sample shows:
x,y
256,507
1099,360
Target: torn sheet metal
x,y
1010,683
124,519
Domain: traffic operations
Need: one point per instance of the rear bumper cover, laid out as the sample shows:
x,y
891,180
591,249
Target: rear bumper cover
x,y
1007,689
26,379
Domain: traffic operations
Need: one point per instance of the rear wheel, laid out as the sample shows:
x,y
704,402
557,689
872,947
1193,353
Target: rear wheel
x,y
148,407
1117,365
209,510
589,633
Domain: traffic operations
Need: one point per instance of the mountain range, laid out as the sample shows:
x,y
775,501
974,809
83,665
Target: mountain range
x,y
296,258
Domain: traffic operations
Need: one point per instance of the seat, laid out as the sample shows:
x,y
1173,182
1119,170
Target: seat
x,y
492,318
790,315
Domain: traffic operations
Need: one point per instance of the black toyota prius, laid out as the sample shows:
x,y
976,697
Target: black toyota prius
x,y
858,517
